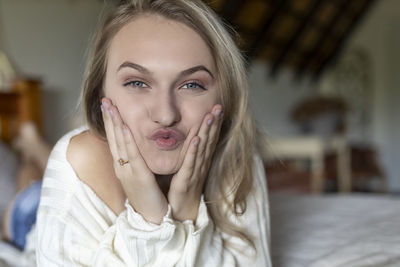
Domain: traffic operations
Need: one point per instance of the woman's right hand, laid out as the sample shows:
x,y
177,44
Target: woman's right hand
x,y
138,181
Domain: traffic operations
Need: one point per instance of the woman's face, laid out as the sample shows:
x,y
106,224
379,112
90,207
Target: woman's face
x,y
162,78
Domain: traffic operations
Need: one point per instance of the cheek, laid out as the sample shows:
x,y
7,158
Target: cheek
x,y
196,120
132,114
194,116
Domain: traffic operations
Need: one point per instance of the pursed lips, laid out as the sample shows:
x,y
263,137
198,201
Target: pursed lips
x,y
167,139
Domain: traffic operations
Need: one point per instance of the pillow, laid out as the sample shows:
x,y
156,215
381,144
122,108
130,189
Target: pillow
x,y
8,176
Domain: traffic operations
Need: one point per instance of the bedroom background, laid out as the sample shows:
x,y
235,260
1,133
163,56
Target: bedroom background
x,y
47,39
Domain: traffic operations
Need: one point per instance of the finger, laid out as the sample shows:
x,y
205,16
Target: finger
x,y
118,134
188,165
203,135
212,122
133,154
190,158
109,127
215,129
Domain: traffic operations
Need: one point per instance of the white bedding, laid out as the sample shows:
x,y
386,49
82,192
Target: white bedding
x,y
319,231
335,230
12,257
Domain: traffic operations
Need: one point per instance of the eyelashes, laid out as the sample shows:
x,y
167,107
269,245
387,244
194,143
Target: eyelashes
x,y
135,84
191,85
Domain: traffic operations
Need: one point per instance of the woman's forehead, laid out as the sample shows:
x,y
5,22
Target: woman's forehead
x,y
152,40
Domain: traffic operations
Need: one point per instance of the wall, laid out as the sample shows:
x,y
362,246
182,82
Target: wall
x,y
48,39
391,142
273,99
379,35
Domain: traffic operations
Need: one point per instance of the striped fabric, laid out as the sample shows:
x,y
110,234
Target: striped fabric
x,y
75,228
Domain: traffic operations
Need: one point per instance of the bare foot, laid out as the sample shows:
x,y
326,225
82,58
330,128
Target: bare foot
x,y
32,146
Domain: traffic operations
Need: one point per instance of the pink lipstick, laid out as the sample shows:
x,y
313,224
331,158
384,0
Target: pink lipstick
x,y
167,139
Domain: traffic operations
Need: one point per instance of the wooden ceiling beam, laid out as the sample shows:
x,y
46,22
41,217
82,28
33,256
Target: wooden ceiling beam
x,y
314,7
263,34
315,50
231,9
340,44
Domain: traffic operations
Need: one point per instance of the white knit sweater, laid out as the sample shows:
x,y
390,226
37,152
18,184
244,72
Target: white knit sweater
x,y
75,228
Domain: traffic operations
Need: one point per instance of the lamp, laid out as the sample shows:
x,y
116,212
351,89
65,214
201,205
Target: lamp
x,y
7,72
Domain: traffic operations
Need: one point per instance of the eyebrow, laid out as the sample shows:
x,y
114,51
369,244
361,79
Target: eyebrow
x,y
128,64
195,69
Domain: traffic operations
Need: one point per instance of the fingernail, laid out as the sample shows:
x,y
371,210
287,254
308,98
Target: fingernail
x,y
221,115
126,131
102,109
218,112
110,112
196,141
105,104
209,121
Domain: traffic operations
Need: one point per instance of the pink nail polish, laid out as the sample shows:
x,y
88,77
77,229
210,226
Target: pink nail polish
x,y
110,112
209,122
125,129
196,141
218,112
102,109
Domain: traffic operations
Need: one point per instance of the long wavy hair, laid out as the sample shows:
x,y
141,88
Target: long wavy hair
x,y
230,178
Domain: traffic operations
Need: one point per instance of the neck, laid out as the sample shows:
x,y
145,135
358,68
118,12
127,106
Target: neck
x,y
164,182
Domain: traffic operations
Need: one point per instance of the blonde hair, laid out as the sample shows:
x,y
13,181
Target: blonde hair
x,y
230,177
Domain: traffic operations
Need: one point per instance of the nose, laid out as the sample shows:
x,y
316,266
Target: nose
x,y
164,110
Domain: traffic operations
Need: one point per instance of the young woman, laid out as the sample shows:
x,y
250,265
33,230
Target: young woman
x,y
167,172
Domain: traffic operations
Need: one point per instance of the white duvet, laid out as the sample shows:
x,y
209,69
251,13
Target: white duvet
x,y
319,231
335,230
12,257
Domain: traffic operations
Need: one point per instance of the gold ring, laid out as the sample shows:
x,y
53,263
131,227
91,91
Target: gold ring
x,y
122,162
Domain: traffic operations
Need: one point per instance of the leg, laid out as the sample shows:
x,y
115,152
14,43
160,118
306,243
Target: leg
x,y
26,175
21,215
28,172
35,152
6,222
32,145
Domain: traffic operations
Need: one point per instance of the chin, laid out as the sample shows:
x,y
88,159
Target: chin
x,y
163,170
164,165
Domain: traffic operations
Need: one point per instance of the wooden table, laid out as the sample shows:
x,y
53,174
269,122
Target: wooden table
x,y
314,149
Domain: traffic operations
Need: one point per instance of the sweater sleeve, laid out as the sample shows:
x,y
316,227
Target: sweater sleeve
x,y
73,229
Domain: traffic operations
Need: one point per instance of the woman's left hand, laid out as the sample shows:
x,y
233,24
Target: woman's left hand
x,y
187,184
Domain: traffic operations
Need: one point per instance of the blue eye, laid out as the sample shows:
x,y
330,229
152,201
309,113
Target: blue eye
x,y
193,86
136,84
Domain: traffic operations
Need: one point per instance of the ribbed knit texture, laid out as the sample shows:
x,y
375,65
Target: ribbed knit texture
x,y
76,228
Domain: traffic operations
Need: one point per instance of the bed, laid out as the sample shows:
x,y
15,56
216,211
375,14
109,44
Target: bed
x,y
19,104
349,230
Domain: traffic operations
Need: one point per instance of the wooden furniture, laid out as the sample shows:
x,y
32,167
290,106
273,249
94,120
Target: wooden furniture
x,y
20,104
322,120
314,149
